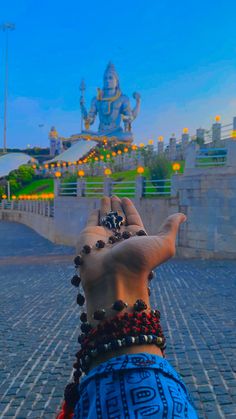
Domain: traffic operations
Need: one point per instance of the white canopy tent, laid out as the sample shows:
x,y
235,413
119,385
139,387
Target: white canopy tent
x,y
11,161
75,152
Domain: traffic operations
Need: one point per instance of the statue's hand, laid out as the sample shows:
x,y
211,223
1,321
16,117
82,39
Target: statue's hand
x,y
137,96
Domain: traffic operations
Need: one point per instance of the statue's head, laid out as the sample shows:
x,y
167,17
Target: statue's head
x,y
111,79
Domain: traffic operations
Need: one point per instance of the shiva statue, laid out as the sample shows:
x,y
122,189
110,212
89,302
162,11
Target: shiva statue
x,y
112,108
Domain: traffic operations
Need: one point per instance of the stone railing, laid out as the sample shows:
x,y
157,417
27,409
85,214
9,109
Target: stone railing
x,y
43,207
138,188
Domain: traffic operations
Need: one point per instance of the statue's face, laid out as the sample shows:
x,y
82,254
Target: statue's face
x,y
110,81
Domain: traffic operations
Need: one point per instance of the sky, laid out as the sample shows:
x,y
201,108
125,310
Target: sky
x,y
179,55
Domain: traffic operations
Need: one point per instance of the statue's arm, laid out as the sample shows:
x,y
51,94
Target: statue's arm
x,y
126,109
93,111
136,109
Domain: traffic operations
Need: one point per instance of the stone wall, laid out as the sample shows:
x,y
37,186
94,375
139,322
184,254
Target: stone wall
x,y
209,201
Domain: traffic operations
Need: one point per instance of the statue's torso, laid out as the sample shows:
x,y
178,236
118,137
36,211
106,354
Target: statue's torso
x,y
110,113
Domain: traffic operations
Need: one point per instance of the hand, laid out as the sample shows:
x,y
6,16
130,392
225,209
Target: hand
x,y
120,270
137,96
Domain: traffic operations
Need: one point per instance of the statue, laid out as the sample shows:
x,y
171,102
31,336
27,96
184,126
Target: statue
x,y
112,108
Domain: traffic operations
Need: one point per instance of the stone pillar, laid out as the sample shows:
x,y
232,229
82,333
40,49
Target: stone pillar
x,y
231,153
81,187
56,187
191,152
216,134
139,187
160,148
184,143
107,186
172,148
200,134
234,123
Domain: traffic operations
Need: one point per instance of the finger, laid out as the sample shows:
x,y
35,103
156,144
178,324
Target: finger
x,y
105,206
116,205
132,215
171,225
93,218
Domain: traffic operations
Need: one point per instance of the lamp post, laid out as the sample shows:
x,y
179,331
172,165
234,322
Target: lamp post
x,y
5,27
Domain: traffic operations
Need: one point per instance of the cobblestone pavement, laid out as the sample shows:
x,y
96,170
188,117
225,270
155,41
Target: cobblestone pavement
x,y
39,324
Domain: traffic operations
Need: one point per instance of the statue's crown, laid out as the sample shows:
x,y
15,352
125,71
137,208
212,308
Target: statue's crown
x,y
111,69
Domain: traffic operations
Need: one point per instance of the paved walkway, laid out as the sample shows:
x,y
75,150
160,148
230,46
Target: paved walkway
x,y
39,326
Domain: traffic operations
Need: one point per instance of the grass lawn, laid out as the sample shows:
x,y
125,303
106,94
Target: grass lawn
x,y
120,189
37,187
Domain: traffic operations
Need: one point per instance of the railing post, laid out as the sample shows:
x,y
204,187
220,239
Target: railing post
x,y
216,134
231,153
107,186
81,187
56,187
139,187
191,152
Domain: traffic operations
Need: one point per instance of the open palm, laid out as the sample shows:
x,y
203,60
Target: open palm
x,y
138,254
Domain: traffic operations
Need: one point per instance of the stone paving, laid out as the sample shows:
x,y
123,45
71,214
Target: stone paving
x,y
39,324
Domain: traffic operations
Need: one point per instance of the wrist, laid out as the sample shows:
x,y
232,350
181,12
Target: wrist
x,y
110,288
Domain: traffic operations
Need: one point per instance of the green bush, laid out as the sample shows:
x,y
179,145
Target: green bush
x,y
159,168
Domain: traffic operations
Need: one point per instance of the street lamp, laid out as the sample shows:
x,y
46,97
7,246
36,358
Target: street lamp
x,y
5,27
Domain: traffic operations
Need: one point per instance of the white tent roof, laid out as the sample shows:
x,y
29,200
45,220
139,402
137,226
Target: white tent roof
x,y
11,161
75,152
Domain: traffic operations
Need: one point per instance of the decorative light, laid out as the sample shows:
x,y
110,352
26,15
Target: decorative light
x,y
185,130
160,138
119,152
57,174
176,167
58,165
140,170
107,172
81,173
64,164
34,166
233,134
108,156
4,196
52,165
13,197
96,158
150,142
217,118
69,163
46,166
141,145
74,163
102,157
113,153
126,149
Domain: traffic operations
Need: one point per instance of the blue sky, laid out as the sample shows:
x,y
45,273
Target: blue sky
x,y
180,56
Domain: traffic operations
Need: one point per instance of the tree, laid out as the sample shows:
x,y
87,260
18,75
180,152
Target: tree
x,y
25,174
159,170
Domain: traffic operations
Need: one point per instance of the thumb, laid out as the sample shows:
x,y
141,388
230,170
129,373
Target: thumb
x,y
171,225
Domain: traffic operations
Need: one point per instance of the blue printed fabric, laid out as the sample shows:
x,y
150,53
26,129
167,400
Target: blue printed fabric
x,y
132,387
